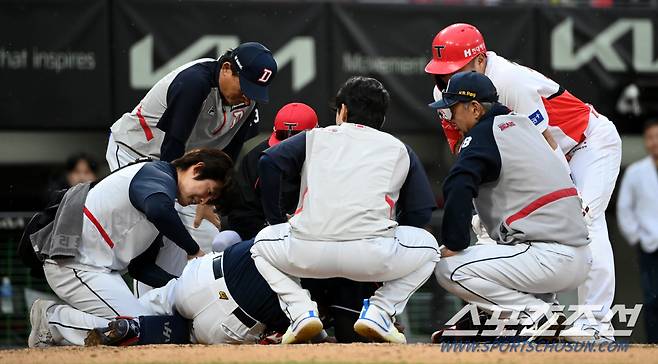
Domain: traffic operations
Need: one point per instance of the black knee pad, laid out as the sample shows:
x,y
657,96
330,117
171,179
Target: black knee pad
x,y
174,329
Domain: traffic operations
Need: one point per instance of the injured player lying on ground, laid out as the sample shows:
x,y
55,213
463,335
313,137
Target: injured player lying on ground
x,y
219,298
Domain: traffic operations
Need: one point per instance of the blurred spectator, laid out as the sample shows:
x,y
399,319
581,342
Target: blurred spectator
x,y
79,168
637,214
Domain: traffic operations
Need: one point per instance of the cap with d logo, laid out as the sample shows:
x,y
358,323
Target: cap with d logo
x,y
465,87
256,68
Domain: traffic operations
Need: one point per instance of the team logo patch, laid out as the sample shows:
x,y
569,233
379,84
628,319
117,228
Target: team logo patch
x,y
290,126
444,114
265,76
439,48
506,125
237,116
223,295
536,117
211,111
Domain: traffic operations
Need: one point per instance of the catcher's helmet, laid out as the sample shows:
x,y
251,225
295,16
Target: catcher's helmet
x,y
454,47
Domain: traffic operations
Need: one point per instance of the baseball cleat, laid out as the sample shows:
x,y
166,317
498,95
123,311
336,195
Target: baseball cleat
x,y
546,329
464,330
375,324
119,332
446,335
303,329
270,338
585,333
40,335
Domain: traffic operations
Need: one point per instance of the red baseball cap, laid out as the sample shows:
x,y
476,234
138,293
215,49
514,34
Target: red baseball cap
x,y
293,117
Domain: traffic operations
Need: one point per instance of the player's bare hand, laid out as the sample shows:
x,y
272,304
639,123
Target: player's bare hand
x,y
445,252
199,254
206,212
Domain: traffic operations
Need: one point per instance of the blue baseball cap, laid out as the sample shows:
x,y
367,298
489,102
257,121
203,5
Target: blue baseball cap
x,y
256,68
464,87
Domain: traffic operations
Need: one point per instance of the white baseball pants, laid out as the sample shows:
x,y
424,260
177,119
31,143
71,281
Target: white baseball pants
x,y
505,276
594,167
93,298
118,156
403,263
171,257
197,296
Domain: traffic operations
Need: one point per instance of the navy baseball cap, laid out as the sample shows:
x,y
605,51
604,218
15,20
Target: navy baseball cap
x,y
464,87
256,68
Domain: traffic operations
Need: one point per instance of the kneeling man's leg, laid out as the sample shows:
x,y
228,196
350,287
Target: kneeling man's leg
x,y
413,263
416,254
270,254
509,276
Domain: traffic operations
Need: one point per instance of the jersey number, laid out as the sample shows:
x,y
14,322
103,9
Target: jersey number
x,y
466,142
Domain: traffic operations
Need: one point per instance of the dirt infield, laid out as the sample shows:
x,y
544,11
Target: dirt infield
x,y
325,353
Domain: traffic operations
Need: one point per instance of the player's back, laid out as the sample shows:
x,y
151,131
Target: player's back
x,y
114,231
249,288
547,104
533,199
350,181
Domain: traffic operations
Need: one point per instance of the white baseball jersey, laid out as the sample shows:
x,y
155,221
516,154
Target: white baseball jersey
x,y
114,231
548,105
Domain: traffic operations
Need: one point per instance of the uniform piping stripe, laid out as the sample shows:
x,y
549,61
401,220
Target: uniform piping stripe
x,y
214,132
484,260
541,202
256,183
144,124
391,204
98,226
116,154
75,272
302,199
68,326
276,239
417,246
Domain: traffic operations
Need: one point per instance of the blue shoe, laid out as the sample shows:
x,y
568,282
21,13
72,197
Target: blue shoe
x,y
303,329
374,323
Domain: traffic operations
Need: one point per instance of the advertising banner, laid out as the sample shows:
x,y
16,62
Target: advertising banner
x,y
54,64
150,42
